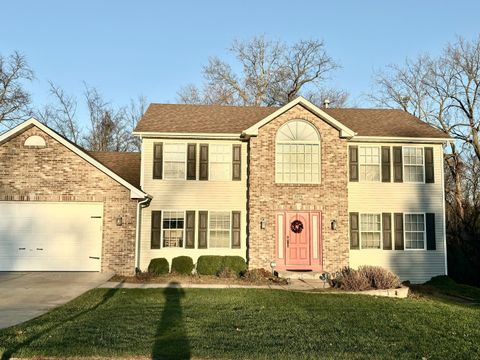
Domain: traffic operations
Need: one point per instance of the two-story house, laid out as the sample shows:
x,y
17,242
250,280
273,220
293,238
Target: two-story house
x,y
297,187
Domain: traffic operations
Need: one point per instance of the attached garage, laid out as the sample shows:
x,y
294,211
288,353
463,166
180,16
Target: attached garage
x,y
50,236
65,209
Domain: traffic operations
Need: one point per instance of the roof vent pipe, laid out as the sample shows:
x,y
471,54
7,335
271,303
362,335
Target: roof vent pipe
x,y
326,103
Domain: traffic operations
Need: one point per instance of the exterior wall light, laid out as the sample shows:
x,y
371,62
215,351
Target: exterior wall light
x,y
263,224
119,221
333,224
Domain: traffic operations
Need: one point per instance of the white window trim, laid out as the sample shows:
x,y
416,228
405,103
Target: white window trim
x,y
360,230
185,161
319,143
210,163
161,229
424,231
403,163
229,230
379,164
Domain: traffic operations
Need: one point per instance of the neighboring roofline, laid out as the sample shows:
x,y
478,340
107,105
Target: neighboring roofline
x,y
179,135
135,193
344,130
398,139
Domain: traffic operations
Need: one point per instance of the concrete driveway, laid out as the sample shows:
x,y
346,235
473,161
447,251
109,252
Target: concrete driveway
x,y
26,295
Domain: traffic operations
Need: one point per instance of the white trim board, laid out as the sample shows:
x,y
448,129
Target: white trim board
x,y
134,192
344,131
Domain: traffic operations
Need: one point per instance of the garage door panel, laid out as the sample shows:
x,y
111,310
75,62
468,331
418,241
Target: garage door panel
x,y
37,236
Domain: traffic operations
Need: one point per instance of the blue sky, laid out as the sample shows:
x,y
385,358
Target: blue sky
x,y
152,48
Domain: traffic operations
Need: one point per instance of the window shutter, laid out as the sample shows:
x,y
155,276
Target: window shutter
x,y
354,231
156,230
397,164
157,160
191,161
236,229
203,162
387,231
386,164
430,222
398,231
429,174
190,229
202,229
353,162
237,162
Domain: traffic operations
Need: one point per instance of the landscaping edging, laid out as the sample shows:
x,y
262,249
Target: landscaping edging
x,y
401,292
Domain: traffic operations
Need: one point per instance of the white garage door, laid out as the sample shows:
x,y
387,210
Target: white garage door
x,y
47,236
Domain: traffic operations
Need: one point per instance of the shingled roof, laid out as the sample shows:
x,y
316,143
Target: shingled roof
x,y
124,164
217,119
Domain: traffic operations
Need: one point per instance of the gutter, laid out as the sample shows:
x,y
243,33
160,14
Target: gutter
x,y
140,205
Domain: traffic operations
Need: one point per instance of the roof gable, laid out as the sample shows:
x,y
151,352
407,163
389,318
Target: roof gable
x,y
135,193
344,130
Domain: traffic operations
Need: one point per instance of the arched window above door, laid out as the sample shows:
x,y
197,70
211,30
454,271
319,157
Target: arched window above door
x,y
297,153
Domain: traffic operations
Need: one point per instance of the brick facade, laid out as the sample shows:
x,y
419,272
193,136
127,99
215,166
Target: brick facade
x,y
55,173
330,196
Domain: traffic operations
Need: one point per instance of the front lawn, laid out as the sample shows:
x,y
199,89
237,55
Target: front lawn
x,y
247,323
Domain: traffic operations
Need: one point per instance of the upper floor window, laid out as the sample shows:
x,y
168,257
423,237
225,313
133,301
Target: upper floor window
x,y
297,156
369,161
413,164
220,162
174,161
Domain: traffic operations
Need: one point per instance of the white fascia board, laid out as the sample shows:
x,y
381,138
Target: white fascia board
x,y
344,131
134,192
172,135
392,139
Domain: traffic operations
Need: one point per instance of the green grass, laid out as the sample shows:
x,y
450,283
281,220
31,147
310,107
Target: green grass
x,y
447,286
247,323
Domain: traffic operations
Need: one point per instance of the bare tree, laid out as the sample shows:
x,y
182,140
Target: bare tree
x,y
62,114
444,92
14,99
272,73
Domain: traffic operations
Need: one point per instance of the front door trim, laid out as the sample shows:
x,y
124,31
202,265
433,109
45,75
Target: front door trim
x,y
313,231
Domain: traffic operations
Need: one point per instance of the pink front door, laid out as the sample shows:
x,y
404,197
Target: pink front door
x,y
297,231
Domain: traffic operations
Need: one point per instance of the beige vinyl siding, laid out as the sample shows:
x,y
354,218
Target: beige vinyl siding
x,y
197,195
378,197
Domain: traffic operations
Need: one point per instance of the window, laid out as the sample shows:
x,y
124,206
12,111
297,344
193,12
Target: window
x,y
220,162
219,226
369,161
413,164
370,231
174,161
414,231
297,157
172,225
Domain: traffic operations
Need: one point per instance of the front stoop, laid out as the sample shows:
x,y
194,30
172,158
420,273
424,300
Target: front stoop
x,y
297,275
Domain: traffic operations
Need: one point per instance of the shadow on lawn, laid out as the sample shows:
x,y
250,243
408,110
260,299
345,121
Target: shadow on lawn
x,y
9,352
171,341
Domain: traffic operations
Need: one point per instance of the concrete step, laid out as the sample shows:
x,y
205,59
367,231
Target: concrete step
x,y
304,275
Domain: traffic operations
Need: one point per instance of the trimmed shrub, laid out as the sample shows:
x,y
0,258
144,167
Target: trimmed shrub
x,y
182,265
236,264
214,265
158,266
209,264
365,278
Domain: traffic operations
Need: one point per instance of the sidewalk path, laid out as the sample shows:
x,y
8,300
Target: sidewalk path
x,y
297,285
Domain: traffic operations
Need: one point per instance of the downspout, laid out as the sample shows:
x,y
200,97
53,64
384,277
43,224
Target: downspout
x,y
140,205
